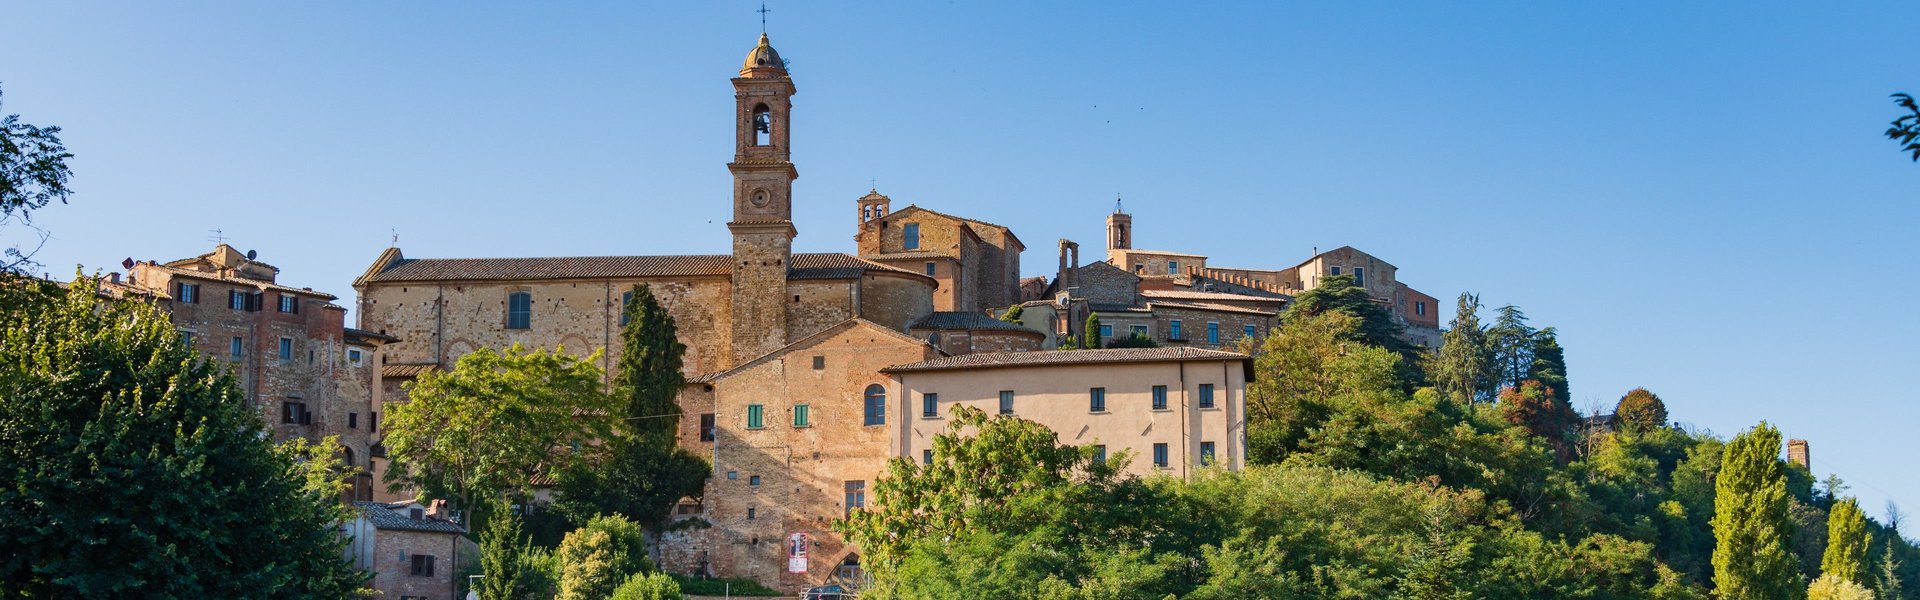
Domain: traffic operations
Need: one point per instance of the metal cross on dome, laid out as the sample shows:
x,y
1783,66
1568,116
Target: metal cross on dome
x,y
763,16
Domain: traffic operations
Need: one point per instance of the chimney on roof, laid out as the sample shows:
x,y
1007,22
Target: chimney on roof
x,y
113,278
437,509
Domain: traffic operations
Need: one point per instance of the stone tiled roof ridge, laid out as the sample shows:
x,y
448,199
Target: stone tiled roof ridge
x,y
828,265
969,320
1066,357
383,516
804,342
1224,296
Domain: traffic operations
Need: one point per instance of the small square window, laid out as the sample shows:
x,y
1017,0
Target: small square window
x,y
353,357
732,475
1139,330
926,456
819,362
1250,331
289,304
1106,331
753,480
932,269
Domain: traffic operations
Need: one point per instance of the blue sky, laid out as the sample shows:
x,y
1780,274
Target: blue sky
x,y
1696,194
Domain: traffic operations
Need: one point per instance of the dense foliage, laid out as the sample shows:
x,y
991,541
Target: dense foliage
x,y
130,466
1640,410
33,173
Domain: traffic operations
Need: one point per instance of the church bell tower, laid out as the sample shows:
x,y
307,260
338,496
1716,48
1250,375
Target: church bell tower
x,y
762,222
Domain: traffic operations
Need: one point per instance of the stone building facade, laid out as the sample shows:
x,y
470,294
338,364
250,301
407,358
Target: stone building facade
x,y
306,373
977,263
411,550
1173,410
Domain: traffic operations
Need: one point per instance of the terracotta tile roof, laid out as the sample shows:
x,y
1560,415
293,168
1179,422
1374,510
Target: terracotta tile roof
x,y
906,255
968,320
239,281
805,266
1214,296
1208,306
1131,251
1067,357
390,516
406,370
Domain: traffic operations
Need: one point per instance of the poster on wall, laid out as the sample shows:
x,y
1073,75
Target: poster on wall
x,y
797,552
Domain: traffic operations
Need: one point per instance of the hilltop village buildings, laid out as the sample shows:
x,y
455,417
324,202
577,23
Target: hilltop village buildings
x,y
806,372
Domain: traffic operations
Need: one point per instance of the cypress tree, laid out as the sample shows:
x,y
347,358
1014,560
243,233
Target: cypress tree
x,y
1091,333
1847,540
1550,363
131,466
1753,560
1464,366
650,362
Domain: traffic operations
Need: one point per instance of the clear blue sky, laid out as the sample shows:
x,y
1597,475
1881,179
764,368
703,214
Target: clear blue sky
x,y
1696,194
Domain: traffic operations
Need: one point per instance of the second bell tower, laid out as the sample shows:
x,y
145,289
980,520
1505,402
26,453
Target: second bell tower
x,y
762,222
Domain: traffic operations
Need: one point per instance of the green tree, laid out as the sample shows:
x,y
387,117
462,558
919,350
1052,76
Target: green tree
x,y
1091,333
33,173
1339,294
1550,363
1134,340
644,471
1534,407
1831,587
1511,340
1300,368
1013,314
650,586
505,572
1464,368
600,556
131,466
1752,560
1905,129
1640,410
484,430
1847,542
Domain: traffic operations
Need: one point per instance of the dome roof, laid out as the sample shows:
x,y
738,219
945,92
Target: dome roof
x,y
762,59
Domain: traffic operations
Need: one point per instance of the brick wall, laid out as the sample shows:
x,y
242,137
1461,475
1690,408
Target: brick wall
x,y
392,564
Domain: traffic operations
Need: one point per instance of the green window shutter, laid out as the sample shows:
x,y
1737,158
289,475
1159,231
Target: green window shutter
x,y
753,416
800,415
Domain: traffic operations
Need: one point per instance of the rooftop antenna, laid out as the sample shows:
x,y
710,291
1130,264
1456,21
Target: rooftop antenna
x,y
763,17
396,237
216,236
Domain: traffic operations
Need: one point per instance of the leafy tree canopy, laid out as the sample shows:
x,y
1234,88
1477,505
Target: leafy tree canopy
x,y
1640,410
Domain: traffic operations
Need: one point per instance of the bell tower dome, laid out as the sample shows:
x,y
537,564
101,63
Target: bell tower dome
x,y
762,222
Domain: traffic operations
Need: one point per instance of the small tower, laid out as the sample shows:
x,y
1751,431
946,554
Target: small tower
x,y
762,222
1119,228
874,205
1797,454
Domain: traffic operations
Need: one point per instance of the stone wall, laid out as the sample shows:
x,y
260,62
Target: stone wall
x,y
1102,283
894,301
392,563
1193,325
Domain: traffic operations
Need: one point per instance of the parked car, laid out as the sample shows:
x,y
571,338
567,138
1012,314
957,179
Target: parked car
x,y
832,591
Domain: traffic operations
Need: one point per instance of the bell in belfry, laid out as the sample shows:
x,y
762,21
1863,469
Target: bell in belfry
x,y
761,123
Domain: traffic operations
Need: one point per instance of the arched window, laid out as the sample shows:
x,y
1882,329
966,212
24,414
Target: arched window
x,y
876,405
762,125
520,310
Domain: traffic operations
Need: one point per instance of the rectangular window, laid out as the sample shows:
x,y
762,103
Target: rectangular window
x,y
286,349
1173,330
353,356
706,427
422,565
1333,270
520,310
1420,308
1213,332
236,300
1173,267
1360,276
931,269
800,415
753,480
625,299
819,362
1159,397
1106,331
1140,330
186,337
911,232
876,405
753,416
1160,455
751,513
1206,395
237,346
926,456
188,293
290,412
1006,402
1097,400
930,405
1206,453
856,495
1100,454
1249,331
373,422
353,420
289,303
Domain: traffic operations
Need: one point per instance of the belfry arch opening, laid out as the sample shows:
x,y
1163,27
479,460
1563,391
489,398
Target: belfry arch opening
x,y
762,125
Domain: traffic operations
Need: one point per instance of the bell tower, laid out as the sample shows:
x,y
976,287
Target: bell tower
x,y
762,222
1119,228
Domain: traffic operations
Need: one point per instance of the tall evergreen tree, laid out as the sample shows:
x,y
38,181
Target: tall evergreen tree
x,y
650,362
1464,367
1511,340
1753,559
1550,363
1091,333
133,467
1847,540
1339,293
502,546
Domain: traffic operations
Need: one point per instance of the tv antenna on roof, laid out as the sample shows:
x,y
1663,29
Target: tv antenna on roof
x,y
763,16
217,237
396,236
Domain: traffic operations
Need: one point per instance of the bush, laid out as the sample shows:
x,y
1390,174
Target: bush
x,y
599,557
738,586
651,586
